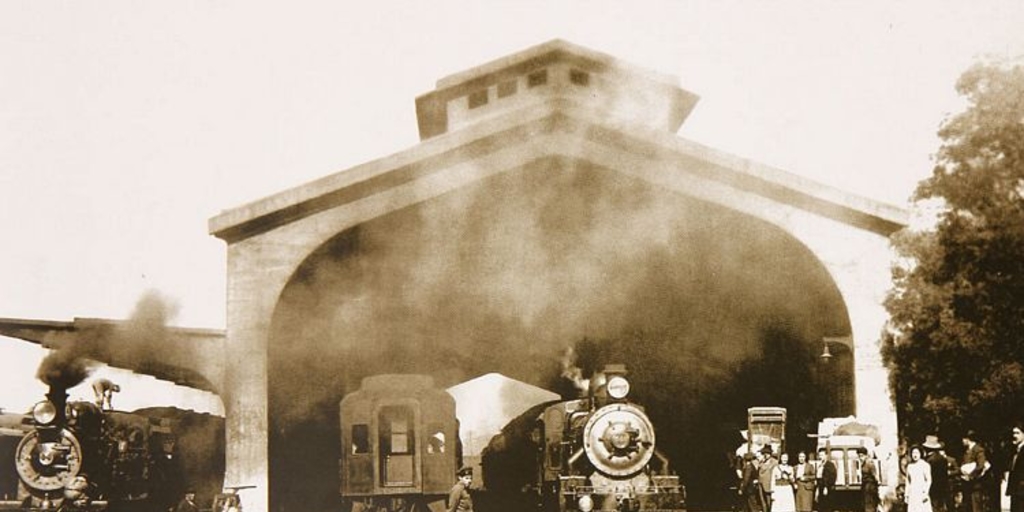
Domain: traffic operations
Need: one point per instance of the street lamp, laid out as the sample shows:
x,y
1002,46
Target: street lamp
x,y
826,356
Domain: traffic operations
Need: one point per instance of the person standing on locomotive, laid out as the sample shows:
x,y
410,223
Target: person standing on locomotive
x,y
104,390
459,499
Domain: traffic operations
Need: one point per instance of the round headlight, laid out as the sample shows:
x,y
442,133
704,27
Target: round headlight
x,y
44,412
618,387
585,503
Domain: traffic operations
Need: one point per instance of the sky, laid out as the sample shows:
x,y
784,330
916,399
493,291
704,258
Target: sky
x,y
126,125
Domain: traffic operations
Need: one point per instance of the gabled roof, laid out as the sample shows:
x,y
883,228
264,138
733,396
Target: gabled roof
x,y
601,121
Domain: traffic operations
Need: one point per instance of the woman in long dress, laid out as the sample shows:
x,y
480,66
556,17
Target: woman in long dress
x,y
919,482
805,474
783,495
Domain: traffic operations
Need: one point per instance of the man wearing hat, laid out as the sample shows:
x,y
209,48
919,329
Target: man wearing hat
x,y
868,480
939,493
766,476
750,490
188,503
459,499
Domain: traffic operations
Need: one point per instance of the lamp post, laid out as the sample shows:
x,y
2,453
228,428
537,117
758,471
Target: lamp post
x,y
826,355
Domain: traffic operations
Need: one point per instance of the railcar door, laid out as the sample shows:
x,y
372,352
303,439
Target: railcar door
x,y
397,446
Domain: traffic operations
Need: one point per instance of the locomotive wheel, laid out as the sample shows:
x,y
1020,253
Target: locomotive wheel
x,y
48,464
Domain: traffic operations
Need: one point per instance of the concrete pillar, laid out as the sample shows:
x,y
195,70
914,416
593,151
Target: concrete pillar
x,y
257,271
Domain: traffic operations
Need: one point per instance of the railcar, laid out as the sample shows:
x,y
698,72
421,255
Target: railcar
x,y
400,445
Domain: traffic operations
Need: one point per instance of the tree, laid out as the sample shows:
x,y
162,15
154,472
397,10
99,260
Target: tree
x,y
955,345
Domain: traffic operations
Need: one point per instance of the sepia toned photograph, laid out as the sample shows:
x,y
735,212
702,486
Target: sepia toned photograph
x,y
502,256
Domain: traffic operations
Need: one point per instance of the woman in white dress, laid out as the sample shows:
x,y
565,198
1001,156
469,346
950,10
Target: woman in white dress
x,y
782,498
919,482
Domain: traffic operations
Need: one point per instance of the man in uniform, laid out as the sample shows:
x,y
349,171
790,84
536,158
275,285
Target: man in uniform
x,y
188,503
459,499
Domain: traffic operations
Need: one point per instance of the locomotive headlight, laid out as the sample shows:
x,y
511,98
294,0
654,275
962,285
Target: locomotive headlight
x,y
585,503
44,412
618,387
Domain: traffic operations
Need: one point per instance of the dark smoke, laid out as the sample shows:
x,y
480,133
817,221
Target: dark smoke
x,y
143,341
66,367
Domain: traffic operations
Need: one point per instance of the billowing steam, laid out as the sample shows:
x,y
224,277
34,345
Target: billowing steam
x,y
507,275
573,373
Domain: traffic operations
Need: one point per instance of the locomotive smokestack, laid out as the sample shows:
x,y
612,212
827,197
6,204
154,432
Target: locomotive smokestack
x,y
58,396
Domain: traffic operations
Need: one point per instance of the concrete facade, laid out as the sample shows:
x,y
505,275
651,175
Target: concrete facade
x,y
589,108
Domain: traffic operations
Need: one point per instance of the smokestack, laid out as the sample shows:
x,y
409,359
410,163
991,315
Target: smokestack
x,y
59,397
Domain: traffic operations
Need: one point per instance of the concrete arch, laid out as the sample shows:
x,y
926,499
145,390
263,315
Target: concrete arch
x,y
635,201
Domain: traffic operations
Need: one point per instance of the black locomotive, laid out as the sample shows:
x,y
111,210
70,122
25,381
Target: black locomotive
x,y
77,456
594,453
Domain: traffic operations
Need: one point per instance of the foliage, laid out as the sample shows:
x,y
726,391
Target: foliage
x,y
955,346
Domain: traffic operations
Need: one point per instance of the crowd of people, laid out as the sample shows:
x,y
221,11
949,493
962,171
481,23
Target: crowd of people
x,y
770,483
930,480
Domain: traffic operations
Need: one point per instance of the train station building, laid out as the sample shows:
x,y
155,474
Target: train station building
x,y
550,200
508,149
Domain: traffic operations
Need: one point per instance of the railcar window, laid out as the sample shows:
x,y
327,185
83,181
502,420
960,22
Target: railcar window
x,y
360,439
436,439
396,430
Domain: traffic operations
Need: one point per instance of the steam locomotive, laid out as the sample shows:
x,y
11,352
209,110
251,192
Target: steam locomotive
x,y
78,456
594,453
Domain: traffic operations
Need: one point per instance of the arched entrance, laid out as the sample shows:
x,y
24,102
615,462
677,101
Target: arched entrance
x,y
712,311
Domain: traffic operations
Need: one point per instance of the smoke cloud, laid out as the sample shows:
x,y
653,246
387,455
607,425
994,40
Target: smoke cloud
x,y
142,342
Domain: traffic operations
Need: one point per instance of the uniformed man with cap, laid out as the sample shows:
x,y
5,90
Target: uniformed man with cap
x,y
459,499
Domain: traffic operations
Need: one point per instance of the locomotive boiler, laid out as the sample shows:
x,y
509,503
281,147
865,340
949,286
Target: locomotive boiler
x,y
77,456
594,453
